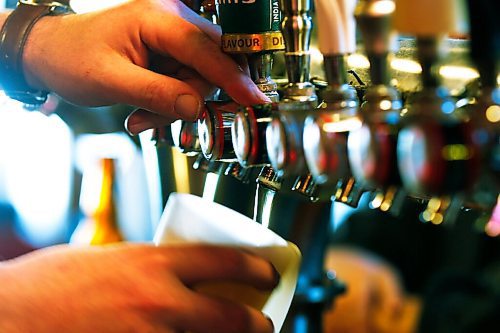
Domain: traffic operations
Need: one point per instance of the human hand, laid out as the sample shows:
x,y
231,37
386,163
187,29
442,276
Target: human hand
x,y
374,301
157,55
129,288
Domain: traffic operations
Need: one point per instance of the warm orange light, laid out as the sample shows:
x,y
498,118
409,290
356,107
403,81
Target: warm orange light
x,y
493,114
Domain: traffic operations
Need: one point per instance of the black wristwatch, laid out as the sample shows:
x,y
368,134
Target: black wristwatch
x,y
13,36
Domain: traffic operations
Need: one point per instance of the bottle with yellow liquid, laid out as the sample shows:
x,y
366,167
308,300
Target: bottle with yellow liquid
x,y
98,204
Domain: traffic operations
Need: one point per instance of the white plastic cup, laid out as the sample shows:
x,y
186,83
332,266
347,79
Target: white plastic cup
x,y
189,219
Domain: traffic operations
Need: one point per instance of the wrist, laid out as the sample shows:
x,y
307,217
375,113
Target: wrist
x,y
14,35
35,57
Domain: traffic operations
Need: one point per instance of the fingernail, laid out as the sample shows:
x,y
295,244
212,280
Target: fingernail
x,y
261,96
271,322
135,124
187,107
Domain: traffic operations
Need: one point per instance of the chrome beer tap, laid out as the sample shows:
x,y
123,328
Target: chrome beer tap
x,y
185,137
284,132
184,134
372,147
435,155
250,28
309,229
326,131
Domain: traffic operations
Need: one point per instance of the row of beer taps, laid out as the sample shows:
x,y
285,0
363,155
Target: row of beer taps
x,y
335,142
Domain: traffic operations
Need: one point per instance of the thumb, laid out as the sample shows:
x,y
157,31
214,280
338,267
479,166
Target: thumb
x,y
160,94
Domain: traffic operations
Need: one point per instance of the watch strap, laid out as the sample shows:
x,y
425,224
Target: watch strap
x,y
13,36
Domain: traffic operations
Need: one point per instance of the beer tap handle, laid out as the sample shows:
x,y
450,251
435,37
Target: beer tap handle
x,y
347,8
429,21
431,125
250,28
374,18
332,32
426,18
337,36
296,28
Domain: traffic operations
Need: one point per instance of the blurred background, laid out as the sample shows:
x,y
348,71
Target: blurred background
x,y
45,159
56,166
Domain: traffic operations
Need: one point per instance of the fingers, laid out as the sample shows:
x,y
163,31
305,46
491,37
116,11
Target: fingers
x,y
195,264
166,96
173,68
141,120
194,48
192,78
221,316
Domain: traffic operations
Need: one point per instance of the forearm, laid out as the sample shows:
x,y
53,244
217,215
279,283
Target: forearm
x,y
5,300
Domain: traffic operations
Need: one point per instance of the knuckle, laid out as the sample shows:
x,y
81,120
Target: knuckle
x,y
233,260
240,320
153,93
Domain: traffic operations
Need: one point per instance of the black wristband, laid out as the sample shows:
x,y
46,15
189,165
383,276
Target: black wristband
x,y
13,37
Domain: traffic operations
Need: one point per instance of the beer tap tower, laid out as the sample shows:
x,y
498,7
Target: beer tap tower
x,y
372,147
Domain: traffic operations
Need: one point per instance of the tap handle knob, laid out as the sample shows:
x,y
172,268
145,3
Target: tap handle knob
x,y
426,18
249,134
374,18
250,26
185,136
284,139
336,26
214,131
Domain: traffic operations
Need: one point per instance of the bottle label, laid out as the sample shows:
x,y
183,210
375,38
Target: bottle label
x,y
252,43
248,16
